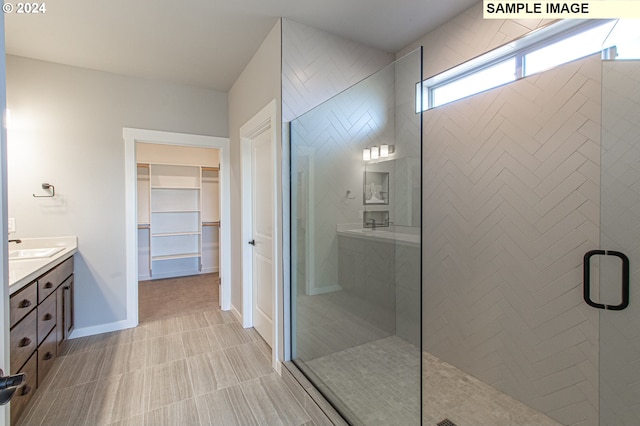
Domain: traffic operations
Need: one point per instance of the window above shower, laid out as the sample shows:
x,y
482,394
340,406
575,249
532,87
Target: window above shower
x,y
538,51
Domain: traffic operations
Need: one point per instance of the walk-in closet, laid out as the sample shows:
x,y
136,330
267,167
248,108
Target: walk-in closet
x,y
178,221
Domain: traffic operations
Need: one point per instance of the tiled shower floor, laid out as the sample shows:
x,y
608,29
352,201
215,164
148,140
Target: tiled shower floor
x,y
378,382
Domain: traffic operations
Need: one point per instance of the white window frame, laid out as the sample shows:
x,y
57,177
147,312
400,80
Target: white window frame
x,y
517,49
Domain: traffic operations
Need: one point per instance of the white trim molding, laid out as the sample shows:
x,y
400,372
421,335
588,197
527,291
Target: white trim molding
x,y
265,120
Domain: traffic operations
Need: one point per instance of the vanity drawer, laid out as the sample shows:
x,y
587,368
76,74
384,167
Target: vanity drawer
x,y
23,302
47,284
46,356
46,317
26,392
65,269
23,340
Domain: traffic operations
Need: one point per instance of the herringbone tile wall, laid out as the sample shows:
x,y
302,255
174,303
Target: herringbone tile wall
x,y
466,36
511,204
620,331
317,65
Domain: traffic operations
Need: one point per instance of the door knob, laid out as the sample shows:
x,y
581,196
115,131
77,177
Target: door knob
x,y
9,385
252,242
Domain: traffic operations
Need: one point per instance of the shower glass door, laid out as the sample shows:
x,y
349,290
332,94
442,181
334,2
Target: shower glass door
x,y
355,247
620,228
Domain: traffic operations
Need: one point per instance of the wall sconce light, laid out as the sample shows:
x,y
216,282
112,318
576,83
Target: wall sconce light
x,y
375,152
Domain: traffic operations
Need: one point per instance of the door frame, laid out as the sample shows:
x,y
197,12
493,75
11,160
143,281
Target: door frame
x,y
263,121
131,136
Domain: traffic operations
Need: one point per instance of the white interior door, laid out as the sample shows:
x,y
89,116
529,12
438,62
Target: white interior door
x,y
262,241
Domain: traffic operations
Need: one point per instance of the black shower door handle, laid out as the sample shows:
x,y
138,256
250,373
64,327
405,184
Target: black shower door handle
x,y
586,272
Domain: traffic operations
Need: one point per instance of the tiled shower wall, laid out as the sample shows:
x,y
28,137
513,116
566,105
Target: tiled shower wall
x,y
466,36
317,65
511,204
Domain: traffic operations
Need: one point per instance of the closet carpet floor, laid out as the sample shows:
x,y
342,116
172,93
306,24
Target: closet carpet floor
x,y
172,297
187,363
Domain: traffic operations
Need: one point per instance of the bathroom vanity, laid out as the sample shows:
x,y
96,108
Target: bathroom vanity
x,y
41,285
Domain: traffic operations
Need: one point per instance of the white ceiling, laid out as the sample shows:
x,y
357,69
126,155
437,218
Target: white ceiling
x,y
205,43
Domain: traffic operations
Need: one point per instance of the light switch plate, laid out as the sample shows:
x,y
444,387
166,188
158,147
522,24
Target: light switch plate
x,y
12,225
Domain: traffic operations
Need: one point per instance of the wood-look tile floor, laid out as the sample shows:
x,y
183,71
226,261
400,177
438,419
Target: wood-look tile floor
x,y
183,367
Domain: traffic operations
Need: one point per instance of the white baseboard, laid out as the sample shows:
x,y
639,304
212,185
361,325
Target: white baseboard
x,y
323,290
210,270
236,313
102,328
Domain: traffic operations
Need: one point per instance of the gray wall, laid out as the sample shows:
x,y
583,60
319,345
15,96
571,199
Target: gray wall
x,y
258,84
67,130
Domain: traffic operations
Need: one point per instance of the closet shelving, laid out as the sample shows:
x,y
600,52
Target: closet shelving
x,y
210,218
178,220
176,228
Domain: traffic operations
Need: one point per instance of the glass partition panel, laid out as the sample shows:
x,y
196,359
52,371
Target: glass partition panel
x,y
620,227
356,233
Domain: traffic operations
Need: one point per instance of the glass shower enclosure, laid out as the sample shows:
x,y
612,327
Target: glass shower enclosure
x,y
615,280
356,246
521,307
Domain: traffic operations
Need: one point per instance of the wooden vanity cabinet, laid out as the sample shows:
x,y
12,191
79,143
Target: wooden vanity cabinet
x,y
64,310
23,395
41,318
22,303
23,340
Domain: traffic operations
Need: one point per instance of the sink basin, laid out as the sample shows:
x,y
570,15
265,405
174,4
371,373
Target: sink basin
x,y
34,253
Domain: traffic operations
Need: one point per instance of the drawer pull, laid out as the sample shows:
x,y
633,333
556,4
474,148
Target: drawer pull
x,y
47,356
24,342
25,390
24,304
49,284
47,317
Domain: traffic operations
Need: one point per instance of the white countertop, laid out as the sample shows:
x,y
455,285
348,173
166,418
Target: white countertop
x,y
397,235
23,271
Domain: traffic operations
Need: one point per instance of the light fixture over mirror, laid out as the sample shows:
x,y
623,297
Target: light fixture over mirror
x,y
366,154
375,152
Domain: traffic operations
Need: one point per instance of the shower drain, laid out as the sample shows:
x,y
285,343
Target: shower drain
x,y
446,422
